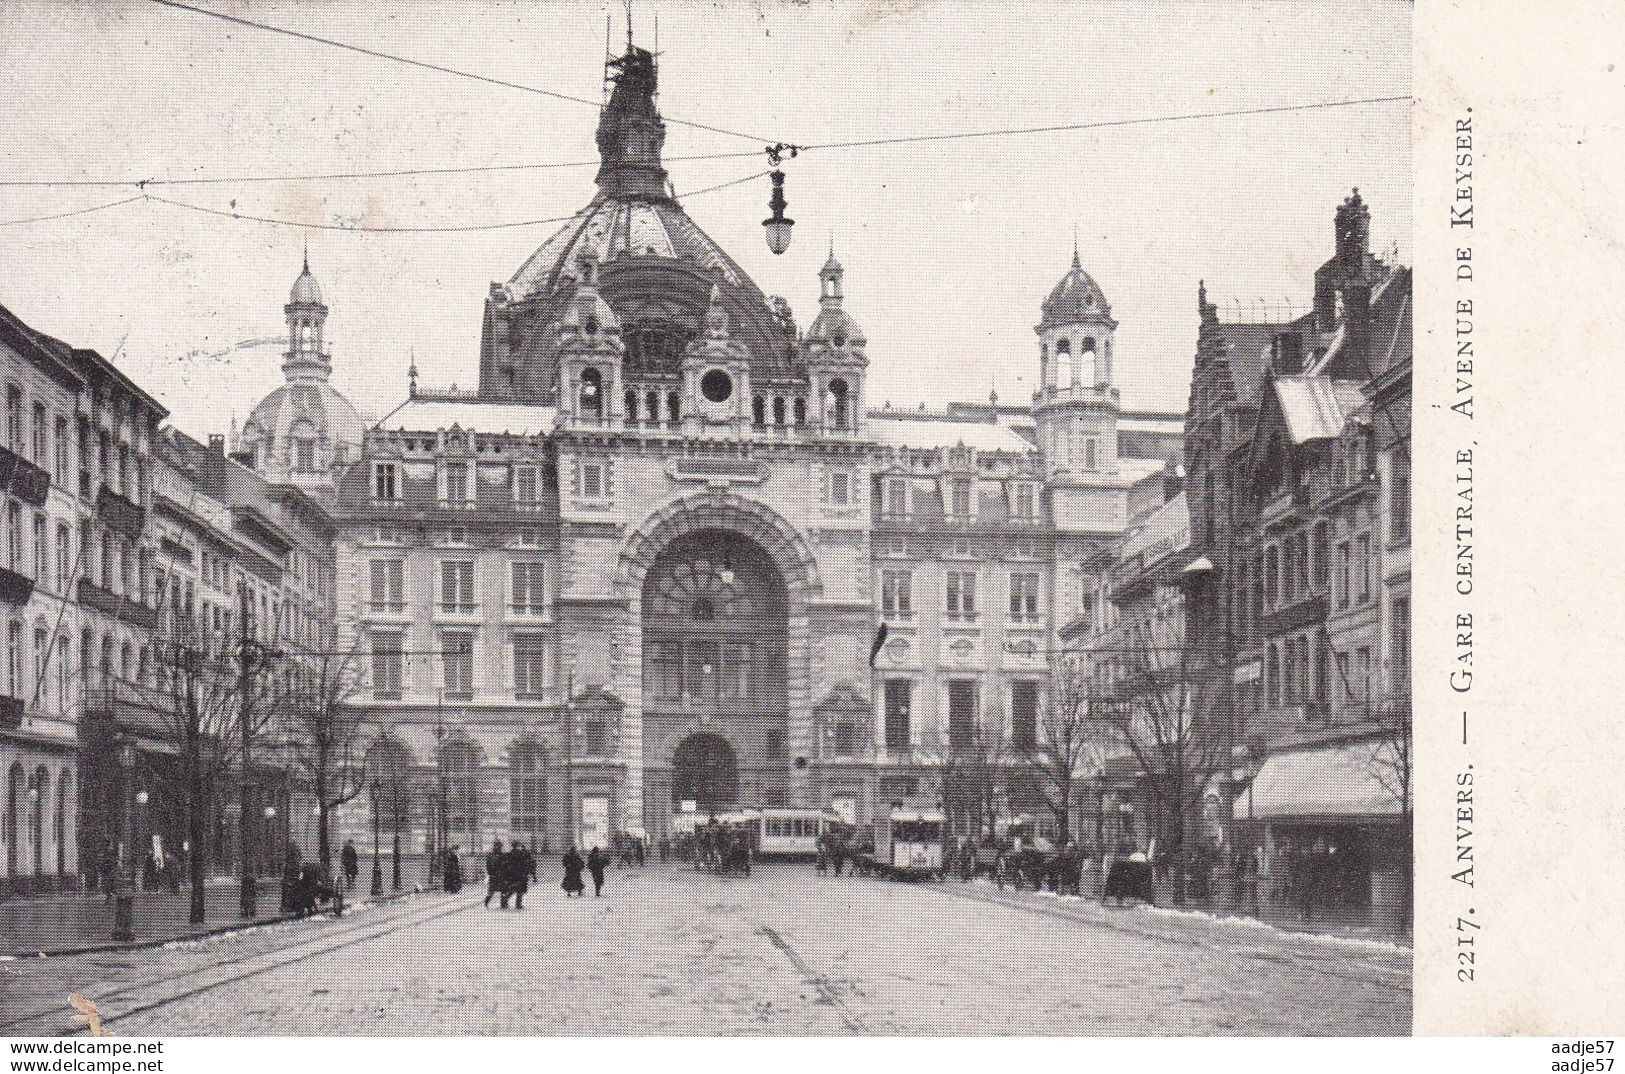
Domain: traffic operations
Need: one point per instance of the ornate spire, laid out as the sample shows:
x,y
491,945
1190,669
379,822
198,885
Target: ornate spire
x,y
1077,262
630,132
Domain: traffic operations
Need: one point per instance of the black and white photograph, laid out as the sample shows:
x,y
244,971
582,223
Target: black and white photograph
x,y
807,519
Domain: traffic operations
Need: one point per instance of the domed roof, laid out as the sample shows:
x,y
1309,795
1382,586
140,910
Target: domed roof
x,y
656,267
305,410
836,325
306,292
1076,298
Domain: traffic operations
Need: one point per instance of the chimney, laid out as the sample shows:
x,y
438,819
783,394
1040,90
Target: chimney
x,y
217,443
1286,353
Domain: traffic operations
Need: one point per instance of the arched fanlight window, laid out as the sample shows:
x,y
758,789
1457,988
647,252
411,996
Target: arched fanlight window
x,y
839,391
592,392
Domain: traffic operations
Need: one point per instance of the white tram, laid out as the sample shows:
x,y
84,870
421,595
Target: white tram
x,y
781,832
908,844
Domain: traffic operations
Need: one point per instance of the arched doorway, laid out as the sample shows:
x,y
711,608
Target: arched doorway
x,y
715,621
705,771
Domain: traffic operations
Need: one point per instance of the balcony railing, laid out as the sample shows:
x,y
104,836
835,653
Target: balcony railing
x,y
124,609
119,513
15,587
22,478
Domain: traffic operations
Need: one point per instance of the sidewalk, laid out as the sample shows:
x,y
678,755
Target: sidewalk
x,y
75,921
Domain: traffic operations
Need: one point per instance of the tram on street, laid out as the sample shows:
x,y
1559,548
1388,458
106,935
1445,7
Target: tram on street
x,y
908,844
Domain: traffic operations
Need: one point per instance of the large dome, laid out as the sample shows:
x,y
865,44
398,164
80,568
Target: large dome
x,y
656,268
1076,298
295,413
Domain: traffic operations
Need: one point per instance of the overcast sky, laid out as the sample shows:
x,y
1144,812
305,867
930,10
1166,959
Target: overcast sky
x,y
949,248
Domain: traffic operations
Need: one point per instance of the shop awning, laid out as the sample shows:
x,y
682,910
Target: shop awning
x,y
1349,780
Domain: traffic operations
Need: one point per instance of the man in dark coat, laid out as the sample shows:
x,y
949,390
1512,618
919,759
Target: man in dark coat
x,y
521,871
495,864
350,862
596,861
453,872
572,874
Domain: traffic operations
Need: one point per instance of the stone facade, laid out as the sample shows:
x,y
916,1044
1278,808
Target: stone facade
x,y
646,564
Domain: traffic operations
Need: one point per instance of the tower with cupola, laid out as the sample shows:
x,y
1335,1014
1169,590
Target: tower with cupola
x,y
835,356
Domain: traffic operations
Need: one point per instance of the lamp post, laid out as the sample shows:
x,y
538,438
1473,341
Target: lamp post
x,y
377,866
569,755
437,863
139,826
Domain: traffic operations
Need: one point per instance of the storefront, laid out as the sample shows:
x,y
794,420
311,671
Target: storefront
x,y
1331,828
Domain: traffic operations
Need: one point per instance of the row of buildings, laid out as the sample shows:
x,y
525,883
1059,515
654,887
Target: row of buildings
x,y
667,558
121,536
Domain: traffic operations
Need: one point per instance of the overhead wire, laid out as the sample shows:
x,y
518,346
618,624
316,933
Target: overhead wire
x,y
74,212
405,230
426,65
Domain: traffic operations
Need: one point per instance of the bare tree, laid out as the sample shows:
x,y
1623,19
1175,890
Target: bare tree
x,y
972,773
1065,747
325,736
389,773
1165,704
193,700
1388,755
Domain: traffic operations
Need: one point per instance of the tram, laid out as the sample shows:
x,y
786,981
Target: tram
x,y
783,833
908,844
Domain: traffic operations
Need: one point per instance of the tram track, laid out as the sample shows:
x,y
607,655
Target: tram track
x,y
329,941
1382,977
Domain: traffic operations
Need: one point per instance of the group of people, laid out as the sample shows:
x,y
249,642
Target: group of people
x,y
508,874
595,863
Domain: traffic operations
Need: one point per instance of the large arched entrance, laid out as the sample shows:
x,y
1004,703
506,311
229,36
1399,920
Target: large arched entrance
x,y
705,771
715,704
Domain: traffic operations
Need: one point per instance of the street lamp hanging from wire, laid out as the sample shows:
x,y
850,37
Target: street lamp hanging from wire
x,y
778,225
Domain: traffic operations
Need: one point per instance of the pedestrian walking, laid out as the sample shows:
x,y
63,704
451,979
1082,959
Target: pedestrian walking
x,y
350,862
596,860
453,872
494,864
521,871
572,874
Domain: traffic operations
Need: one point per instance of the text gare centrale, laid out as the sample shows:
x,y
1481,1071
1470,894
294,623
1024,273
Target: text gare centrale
x,y
1461,219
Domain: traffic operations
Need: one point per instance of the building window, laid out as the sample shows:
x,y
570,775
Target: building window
x,y
1362,671
1323,670
529,665
457,665
457,586
1023,502
387,582
387,661
1024,715
524,484
14,419
1322,556
1343,566
527,791
42,551
62,452
457,483
385,481
1272,675
961,595
960,490
305,456
529,590
898,697
896,498
1400,630
961,712
41,435
1024,597
665,669
758,411
1272,562
592,479
1091,447
840,488
64,558
1399,498
14,537
896,593
1362,566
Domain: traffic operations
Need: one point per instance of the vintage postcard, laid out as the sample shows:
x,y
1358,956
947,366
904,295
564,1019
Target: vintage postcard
x,y
809,519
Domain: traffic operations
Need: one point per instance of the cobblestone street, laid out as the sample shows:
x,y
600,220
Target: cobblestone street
x,y
673,951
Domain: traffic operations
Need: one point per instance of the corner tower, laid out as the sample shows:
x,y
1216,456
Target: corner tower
x,y
1076,405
